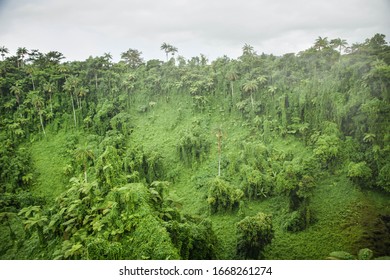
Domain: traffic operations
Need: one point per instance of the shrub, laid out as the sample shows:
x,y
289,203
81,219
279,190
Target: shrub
x,y
192,145
253,183
222,196
194,238
384,177
359,173
253,234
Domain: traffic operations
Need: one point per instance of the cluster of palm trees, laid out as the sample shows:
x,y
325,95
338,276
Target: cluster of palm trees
x,y
323,43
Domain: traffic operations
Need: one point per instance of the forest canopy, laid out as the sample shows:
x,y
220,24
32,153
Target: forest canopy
x,y
261,156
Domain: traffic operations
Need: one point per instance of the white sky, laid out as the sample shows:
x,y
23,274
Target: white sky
x,y
79,28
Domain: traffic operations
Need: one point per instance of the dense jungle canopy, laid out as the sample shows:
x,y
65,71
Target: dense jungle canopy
x,y
258,157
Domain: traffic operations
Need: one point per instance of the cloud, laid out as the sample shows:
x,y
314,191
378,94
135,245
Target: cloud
x,y
213,27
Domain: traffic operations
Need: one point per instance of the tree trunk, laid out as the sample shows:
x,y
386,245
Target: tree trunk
x,y
232,87
32,80
74,112
219,165
51,104
43,128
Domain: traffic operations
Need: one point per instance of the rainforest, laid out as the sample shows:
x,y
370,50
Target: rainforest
x,y
258,157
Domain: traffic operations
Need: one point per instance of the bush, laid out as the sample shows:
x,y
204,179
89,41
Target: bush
x,y
294,222
192,145
194,238
252,182
384,177
222,196
299,220
359,173
253,234
365,254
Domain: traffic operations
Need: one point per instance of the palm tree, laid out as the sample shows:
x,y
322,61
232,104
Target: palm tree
x,y
232,76
3,51
34,55
81,92
321,43
82,155
48,87
272,90
219,136
262,79
20,53
17,90
167,48
339,43
173,50
54,57
250,87
71,85
38,103
369,137
247,50
30,70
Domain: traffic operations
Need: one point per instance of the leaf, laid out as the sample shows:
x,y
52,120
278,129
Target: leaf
x,y
68,222
74,250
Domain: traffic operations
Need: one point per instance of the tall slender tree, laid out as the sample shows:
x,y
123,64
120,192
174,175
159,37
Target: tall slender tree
x,y
250,87
321,43
21,53
168,49
38,103
3,51
339,43
71,84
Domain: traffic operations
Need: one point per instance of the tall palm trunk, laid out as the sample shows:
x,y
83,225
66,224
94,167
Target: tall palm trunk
x,y
74,111
232,87
51,104
219,165
43,127
85,171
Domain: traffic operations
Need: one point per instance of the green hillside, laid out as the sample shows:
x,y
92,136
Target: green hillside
x,y
259,157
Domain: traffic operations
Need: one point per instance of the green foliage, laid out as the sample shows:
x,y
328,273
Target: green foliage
x,y
118,131
192,145
384,177
15,167
253,235
327,149
194,238
34,220
298,220
296,181
143,164
222,196
359,172
341,255
363,254
253,183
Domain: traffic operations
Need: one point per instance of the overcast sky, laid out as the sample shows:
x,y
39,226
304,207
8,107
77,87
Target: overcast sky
x,y
79,28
